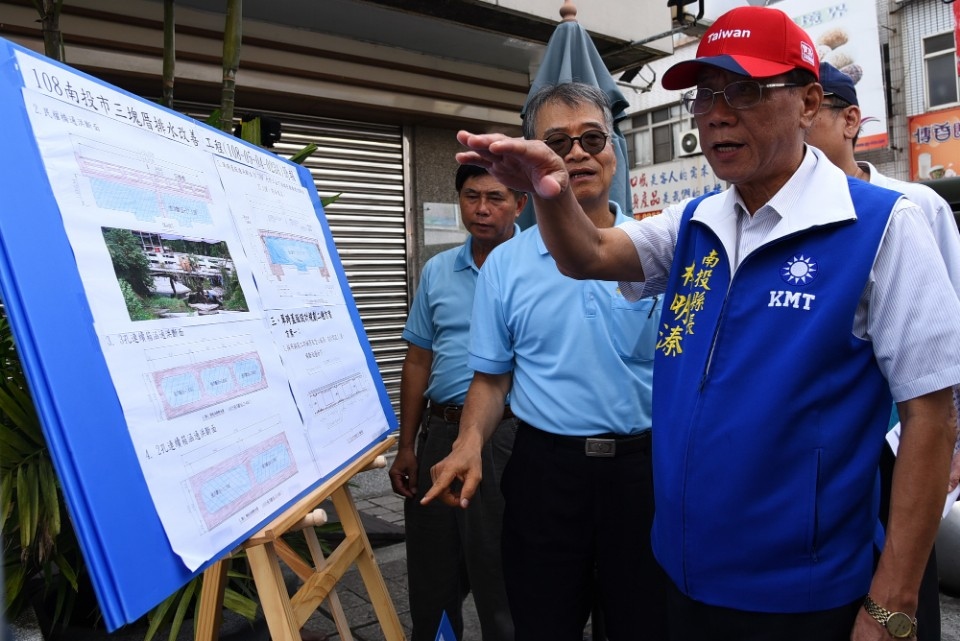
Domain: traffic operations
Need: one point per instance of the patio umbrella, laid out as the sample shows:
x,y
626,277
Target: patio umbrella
x,y
571,56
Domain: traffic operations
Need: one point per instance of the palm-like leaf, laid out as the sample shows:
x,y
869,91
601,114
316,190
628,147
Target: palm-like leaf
x,y
188,591
250,130
239,597
35,546
299,157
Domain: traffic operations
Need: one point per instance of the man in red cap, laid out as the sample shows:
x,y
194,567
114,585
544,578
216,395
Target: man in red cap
x,y
799,304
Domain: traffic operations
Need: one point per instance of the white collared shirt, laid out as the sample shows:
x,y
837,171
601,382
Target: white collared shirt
x,y
908,308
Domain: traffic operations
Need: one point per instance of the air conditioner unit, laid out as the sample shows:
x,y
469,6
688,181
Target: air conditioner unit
x,y
688,143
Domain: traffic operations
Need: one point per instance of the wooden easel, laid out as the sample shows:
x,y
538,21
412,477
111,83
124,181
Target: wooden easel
x,y
285,615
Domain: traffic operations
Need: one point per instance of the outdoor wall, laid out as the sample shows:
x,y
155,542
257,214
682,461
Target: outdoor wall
x,y
918,20
433,152
626,19
121,41
433,156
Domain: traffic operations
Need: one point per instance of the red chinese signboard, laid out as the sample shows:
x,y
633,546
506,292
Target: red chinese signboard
x,y
935,144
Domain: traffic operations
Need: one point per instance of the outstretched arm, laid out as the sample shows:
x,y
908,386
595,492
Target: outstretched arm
x,y
482,412
579,247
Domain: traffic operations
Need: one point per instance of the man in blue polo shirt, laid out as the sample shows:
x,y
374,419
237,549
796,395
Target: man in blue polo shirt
x,y
451,552
577,361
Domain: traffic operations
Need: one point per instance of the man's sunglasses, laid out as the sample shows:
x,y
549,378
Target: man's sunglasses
x,y
592,142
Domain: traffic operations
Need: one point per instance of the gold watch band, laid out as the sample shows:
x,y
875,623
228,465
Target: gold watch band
x,y
898,624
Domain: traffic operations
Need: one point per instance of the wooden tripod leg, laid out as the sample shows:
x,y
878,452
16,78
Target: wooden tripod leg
x,y
265,548
293,560
274,599
367,564
336,609
211,601
304,571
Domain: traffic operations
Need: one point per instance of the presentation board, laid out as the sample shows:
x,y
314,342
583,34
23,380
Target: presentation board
x,y
183,317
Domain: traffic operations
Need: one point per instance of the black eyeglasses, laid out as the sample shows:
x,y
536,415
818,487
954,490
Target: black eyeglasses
x,y
592,142
742,94
832,105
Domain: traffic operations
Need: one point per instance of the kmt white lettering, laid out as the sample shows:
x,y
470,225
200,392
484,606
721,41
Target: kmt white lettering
x,y
728,33
790,299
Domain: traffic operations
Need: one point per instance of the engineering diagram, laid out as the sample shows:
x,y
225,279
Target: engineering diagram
x,y
138,183
286,251
224,489
193,387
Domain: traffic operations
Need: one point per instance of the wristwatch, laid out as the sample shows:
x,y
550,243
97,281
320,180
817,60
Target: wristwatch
x,y
898,624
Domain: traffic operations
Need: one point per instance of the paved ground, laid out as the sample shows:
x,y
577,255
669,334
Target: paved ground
x,y
950,618
382,513
374,498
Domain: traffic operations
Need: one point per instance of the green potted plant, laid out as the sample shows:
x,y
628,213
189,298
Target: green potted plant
x,y
41,558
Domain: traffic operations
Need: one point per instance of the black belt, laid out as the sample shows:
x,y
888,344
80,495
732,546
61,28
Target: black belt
x,y
451,413
601,445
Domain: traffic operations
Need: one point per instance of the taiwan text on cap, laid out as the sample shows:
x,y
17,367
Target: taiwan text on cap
x,y
757,42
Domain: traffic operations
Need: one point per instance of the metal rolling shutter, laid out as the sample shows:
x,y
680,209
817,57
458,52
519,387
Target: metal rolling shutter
x,y
364,163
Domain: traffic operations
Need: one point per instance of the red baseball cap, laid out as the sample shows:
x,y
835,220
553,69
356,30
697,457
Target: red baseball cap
x,y
757,42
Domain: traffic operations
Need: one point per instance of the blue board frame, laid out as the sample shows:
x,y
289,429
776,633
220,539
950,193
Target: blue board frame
x,y
128,555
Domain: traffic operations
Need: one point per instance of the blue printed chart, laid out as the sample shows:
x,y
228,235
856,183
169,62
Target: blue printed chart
x,y
190,398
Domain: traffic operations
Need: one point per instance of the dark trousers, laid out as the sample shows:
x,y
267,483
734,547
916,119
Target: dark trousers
x,y
576,528
691,620
928,603
452,552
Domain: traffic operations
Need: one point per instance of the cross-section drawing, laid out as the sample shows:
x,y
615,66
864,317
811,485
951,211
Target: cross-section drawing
x,y
334,395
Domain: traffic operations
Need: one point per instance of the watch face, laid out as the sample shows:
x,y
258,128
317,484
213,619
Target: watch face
x,y
900,625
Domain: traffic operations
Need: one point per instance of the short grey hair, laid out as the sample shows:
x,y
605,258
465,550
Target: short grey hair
x,y
572,94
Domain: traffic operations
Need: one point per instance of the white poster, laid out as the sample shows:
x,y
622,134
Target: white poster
x,y
218,310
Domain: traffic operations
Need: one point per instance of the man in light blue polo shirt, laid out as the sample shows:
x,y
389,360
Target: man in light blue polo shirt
x,y
449,551
577,360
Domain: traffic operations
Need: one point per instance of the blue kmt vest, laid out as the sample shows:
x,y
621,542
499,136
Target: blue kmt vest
x,y
769,416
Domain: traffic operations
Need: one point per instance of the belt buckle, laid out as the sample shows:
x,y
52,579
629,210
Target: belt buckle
x,y
451,413
602,447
